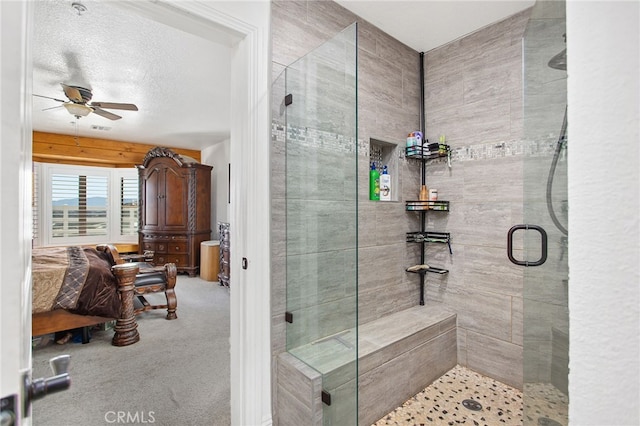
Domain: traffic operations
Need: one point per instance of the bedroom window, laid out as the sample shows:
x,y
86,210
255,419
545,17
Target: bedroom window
x,y
85,205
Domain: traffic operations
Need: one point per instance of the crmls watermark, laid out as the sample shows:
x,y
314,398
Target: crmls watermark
x,y
128,417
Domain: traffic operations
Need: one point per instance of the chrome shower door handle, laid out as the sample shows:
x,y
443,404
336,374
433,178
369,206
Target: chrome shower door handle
x,y
543,249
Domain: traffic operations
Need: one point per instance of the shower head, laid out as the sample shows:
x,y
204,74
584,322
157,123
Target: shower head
x,y
559,62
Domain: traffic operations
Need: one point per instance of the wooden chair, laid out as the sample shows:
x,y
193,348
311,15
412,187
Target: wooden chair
x,y
149,279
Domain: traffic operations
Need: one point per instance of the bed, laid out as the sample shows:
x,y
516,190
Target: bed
x,y
78,287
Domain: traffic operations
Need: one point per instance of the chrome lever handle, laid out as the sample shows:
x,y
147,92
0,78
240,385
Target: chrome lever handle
x,y
38,388
60,364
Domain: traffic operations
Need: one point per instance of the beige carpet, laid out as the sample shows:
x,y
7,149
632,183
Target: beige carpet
x,y
177,374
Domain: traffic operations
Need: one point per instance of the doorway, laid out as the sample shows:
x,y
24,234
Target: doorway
x,y
250,398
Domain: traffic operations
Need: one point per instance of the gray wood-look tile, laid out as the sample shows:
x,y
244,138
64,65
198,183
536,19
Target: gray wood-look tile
x,y
397,333
278,334
462,346
278,229
291,411
383,388
329,16
278,285
380,79
297,378
517,324
444,91
286,26
487,269
495,358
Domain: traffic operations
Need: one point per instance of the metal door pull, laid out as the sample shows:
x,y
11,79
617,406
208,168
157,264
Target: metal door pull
x,y
543,254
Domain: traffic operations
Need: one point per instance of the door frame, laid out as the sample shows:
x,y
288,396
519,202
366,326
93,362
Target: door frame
x,y
247,26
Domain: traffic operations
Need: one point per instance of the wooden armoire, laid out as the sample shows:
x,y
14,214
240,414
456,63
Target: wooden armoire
x,y
175,208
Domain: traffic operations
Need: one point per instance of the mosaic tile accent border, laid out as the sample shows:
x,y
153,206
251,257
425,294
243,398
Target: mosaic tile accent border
x,y
312,138
315,139
493,150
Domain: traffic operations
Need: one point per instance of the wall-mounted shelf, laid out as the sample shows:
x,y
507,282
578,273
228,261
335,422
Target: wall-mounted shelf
x,y
430,269
421,205
428,151
430,237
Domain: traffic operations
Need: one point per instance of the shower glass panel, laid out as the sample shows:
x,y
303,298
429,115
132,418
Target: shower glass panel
x,y
321,144
545,297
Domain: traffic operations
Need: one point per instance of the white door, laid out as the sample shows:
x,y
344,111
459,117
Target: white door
x,y
15,210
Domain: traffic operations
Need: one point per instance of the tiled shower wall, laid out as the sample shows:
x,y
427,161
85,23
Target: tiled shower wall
x,y
474,96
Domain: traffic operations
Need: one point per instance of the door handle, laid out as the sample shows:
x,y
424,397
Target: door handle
x,y
543,253
39,388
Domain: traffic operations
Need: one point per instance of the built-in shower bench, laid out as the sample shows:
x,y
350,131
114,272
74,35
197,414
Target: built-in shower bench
x,y
398,356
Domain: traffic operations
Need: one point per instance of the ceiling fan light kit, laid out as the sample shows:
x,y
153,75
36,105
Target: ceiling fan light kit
x,y
78,110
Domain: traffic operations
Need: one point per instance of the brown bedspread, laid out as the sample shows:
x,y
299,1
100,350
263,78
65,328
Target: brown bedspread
x,y
76,279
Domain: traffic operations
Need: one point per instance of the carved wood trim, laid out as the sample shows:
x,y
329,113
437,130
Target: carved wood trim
x,y
162,152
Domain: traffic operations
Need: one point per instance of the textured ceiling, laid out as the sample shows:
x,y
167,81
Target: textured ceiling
x,y
179,82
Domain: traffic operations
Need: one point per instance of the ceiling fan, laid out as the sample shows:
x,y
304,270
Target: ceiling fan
x,y
78,104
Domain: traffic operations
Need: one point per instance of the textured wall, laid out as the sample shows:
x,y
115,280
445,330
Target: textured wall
x,y
474,97
604,295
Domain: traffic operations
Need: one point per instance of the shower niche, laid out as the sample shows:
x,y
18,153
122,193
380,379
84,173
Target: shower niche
x,y
382,154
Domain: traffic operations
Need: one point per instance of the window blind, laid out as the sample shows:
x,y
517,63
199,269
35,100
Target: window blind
x,y
128,206
79,205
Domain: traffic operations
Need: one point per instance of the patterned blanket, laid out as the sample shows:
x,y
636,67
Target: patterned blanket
x,y
76,279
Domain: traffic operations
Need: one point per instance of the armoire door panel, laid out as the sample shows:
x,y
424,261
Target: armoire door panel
x,y
175,200
151,197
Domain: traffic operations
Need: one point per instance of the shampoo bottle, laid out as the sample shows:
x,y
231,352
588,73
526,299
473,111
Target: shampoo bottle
x,y
374,183
385,185
424,196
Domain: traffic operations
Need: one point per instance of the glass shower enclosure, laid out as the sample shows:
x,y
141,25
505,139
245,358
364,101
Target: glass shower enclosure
x,y
545,295
321,149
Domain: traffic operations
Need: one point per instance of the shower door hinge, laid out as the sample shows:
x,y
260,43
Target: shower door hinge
x,y
326,397
288,100
288,317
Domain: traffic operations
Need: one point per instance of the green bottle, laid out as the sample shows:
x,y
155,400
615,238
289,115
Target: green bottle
x,y
374,183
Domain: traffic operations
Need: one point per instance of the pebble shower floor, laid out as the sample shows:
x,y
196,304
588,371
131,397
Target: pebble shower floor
x,y
441,403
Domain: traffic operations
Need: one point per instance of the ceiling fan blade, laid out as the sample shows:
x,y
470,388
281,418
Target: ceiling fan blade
x,y
114,105
54,107
72,93
49,97
105,114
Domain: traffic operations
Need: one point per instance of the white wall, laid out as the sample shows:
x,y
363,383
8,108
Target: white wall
x,y
604,256
218,157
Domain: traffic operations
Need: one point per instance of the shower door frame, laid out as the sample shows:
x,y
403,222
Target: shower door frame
x,y
545,205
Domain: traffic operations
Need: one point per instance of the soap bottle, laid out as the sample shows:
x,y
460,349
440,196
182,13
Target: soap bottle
x,y
374,183
385,185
